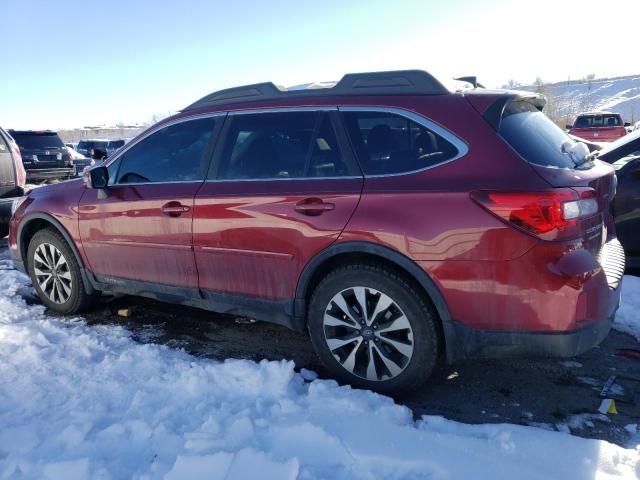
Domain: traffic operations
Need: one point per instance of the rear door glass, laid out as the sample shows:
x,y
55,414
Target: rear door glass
x,y
386,143
280,145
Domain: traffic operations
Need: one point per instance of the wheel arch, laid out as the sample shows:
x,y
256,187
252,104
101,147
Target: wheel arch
x,y
329,258
34,222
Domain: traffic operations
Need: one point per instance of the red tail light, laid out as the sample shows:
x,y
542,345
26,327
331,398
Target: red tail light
x,y
551,215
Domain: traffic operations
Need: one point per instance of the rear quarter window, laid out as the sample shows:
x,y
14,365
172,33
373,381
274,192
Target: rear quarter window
x,y
390,144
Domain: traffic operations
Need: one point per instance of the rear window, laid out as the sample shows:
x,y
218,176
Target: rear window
x,y
534,136
594,121
37,140
116,144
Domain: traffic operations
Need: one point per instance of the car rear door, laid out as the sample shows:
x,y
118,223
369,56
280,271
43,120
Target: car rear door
x,y
282,188
142,231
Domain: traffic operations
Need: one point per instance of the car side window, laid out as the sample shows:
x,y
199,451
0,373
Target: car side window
x,y
386,143
280,145
176,153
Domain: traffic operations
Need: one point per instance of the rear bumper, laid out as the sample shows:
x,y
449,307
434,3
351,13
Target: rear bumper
x,y
48,173
598,301
483,344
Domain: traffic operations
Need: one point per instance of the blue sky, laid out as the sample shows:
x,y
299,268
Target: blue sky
x,y
67,63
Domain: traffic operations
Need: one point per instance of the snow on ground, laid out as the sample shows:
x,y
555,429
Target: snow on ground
x,y
620,95
628,316
82,402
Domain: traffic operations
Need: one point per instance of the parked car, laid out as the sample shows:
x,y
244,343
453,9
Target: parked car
x,y
395,221
93,148
12,178
44,156
114,145
599,126
624,155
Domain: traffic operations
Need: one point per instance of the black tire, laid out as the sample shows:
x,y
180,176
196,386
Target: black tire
x,y
79,299
416,309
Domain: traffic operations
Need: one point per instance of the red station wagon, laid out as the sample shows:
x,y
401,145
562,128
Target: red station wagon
x,y
394,220
599,127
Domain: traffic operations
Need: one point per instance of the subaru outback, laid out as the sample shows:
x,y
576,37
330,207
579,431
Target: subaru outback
x,y
395,221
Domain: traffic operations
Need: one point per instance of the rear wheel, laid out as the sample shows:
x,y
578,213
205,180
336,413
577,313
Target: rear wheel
x,y
55,273
372,329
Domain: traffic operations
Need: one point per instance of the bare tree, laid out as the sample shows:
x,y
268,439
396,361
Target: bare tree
x,y
513,84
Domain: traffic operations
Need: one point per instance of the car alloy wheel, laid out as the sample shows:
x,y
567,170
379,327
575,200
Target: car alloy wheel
x,y
52,273
368,333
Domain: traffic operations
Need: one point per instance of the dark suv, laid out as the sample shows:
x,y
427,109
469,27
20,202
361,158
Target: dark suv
x,y
394,220
44,156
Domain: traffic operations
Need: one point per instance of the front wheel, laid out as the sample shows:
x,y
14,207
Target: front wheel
x,y
55,273
372,329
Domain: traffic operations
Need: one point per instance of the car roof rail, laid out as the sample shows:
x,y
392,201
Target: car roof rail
x,y
401,82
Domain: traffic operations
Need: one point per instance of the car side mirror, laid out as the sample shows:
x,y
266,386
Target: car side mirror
x,y
627,124
98,179
568,127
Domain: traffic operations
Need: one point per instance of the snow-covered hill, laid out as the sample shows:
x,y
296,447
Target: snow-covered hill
x,y
620,95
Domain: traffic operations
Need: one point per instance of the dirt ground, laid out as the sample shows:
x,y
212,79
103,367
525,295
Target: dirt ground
x,y
549,393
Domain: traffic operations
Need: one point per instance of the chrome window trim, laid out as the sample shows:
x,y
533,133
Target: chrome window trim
x,y
227,180
137,184
459,144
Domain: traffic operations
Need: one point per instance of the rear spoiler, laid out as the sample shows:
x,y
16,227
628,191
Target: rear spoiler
x,y
493,114
491,103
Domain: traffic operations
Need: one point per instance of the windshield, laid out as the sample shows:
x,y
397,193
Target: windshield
x,y
534,136
37,140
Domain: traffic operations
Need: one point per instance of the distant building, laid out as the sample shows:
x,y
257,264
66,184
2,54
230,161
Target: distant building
x,y
100,131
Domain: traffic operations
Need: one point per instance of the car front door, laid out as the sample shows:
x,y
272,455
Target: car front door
x,y
282,188
142,230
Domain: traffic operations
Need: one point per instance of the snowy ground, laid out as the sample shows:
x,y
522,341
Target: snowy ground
x,y
628,316
79,401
